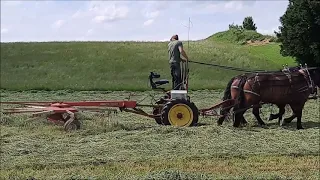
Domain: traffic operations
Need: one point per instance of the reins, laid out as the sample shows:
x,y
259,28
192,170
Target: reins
x,y
231,68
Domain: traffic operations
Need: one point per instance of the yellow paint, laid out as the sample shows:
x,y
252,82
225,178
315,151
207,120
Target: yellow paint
x,y
186,112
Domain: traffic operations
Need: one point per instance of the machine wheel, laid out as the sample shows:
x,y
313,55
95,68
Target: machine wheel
x,y
180,113
157,111
71,124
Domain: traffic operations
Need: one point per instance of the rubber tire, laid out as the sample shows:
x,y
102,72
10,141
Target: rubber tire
x,y
157,119
170,104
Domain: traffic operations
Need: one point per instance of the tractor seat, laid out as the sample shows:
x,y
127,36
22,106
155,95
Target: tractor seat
x,y
161,82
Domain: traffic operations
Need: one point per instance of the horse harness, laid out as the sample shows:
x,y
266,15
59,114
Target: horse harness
x,y
259,77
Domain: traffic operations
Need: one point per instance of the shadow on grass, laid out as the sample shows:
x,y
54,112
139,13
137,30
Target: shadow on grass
x,y
202,124
274,125
293,125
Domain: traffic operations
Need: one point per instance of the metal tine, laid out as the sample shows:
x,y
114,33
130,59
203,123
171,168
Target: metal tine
x,y
43,112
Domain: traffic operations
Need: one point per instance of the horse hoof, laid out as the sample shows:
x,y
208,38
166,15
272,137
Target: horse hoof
x,y
300,127
236,125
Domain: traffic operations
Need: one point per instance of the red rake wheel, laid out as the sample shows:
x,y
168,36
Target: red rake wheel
x,y
68,120
72,122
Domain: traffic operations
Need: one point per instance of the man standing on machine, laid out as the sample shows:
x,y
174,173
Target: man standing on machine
x,y
175,49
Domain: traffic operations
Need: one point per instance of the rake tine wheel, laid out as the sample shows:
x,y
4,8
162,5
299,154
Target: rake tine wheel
x,y
72,123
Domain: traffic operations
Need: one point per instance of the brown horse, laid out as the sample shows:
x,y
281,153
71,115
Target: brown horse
x,y
233,92
282,111
275,88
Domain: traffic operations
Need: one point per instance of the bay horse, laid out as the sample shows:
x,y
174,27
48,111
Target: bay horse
x,y
233,89
275,88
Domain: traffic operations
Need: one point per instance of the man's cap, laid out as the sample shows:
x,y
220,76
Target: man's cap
x,y
174,37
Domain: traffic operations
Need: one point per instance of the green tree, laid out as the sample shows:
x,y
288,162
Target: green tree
x,y
235,27
248,24
300,32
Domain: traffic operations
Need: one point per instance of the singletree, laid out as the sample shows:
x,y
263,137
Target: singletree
x,y
300,32
248,24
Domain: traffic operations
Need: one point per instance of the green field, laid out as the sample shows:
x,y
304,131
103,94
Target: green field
x,y
127,146
126,65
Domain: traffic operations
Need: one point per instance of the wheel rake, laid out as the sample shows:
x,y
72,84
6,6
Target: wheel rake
x,y
173,108
59,112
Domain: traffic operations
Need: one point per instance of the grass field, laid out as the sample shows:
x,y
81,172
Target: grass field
x,y
126,65
127,146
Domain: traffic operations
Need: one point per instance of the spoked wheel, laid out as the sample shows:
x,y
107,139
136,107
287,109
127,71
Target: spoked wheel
x,y
72,123
180,113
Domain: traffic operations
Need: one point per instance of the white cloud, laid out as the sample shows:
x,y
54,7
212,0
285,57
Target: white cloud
x,y
89,32
152,14
11,3
126,20
77,14
152,9
223,7
4,30
234,5
148,22
107,11
99,19
58,23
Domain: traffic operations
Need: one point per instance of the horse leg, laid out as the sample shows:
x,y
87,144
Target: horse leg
x,y
289,119
238,118
255,111
243,121
223,116
273,116
297,111
281,113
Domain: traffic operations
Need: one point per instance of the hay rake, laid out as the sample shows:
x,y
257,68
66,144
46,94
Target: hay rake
x,y
173,108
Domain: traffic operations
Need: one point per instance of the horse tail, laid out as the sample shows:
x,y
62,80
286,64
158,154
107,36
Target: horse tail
x,y
227,91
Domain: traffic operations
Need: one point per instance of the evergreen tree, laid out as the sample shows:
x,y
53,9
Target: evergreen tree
x,y
300,32
248,24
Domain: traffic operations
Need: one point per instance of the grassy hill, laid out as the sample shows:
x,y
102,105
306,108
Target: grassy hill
x,y
126,65
240,36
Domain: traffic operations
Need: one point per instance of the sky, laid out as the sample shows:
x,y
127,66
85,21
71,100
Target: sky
x,y
135,20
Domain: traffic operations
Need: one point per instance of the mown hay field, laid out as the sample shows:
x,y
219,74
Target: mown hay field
x,y
127,146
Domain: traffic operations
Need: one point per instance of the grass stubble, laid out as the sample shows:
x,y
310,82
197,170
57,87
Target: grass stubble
x,y
126,146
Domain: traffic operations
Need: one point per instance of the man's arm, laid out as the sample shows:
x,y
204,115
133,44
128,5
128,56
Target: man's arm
x,y
183,53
